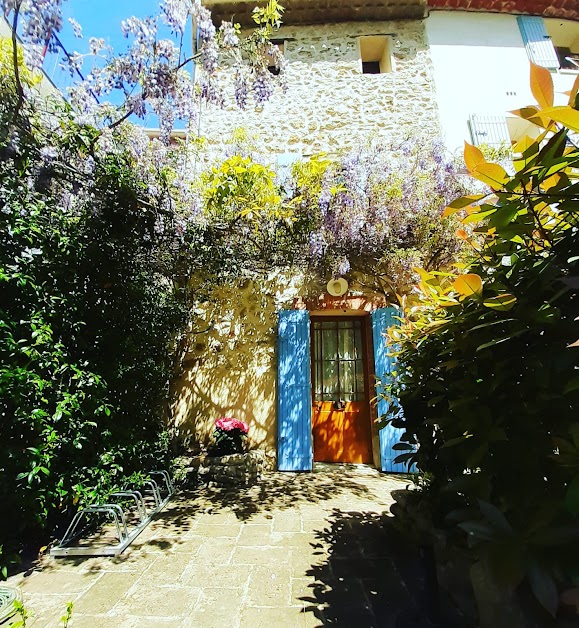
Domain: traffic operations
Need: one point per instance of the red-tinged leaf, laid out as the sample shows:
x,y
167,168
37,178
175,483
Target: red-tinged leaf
x,y
542,86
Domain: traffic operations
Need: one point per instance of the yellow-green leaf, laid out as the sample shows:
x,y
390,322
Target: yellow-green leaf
x,y
473,157
542,86
468,285
551,182
523,145
461,203
502,302
533,115
491,174
444,301
424,274
567,116
574,90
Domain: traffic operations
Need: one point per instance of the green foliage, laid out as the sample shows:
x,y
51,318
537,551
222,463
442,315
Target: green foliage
x,y
24,614
241,188
268,16
496,153
65,619
90,310
488,372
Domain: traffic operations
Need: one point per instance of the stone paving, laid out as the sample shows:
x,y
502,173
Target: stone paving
x,y
296,550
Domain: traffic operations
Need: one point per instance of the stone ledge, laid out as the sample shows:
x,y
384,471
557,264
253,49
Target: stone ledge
x,y
245,469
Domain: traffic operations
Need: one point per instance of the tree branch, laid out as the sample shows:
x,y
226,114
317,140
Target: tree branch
x,y
19,88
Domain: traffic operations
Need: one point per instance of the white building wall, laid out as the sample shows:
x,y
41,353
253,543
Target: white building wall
x,y
480,66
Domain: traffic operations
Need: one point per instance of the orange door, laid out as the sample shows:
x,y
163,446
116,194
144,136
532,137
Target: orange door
x,y
341,410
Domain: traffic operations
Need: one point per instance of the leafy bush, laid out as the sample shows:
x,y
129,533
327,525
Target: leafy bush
x,y
89,316
98,235
488,364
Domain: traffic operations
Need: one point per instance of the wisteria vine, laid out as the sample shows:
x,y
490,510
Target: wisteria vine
x,y
153,75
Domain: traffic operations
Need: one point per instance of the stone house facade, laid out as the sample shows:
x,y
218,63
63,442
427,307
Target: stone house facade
x,y
356,72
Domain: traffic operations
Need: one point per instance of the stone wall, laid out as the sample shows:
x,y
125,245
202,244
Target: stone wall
x,y
230,368
330,105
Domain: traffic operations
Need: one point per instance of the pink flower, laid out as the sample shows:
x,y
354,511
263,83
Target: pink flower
x,y
228,423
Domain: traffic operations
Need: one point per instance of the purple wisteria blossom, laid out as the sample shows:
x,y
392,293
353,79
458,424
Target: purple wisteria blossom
x,y
228,35
76,27
263,86
378,212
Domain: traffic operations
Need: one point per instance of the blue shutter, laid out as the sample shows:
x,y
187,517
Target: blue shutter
x,y
537,41
384,365
294,442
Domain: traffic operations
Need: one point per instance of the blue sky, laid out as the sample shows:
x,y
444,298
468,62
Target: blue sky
x,y
102,18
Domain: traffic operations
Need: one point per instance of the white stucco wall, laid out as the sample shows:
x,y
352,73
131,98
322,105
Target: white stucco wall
x,y
330,105
480,66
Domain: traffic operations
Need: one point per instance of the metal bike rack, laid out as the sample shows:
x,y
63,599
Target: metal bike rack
x,y
119,515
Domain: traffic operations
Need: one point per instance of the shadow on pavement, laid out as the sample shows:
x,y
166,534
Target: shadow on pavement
x,y
373,577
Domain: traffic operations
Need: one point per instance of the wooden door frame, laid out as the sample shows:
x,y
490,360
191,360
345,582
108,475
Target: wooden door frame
x,y
368,359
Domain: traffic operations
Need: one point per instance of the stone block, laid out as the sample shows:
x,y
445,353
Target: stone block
x,y
105,593
149,600
261,556
270,585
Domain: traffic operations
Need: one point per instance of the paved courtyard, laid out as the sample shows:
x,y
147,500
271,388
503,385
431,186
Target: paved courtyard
x,y
297,550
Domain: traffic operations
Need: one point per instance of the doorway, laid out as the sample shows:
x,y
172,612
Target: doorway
x,y
341,422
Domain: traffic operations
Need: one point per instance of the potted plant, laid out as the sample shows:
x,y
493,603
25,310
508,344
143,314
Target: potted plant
x,y
229,437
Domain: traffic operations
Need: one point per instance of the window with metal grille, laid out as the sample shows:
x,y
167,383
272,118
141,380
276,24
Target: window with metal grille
x,y
568,59
338,360
271,66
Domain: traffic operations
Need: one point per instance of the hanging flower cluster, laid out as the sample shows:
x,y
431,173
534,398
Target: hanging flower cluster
x,y
153,74
377,210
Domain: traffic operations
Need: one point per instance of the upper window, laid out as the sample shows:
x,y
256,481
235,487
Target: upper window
x,y
551,43
375,54
568,58
565,37
272,66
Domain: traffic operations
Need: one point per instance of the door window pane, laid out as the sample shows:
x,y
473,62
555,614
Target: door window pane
x,y
337,354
